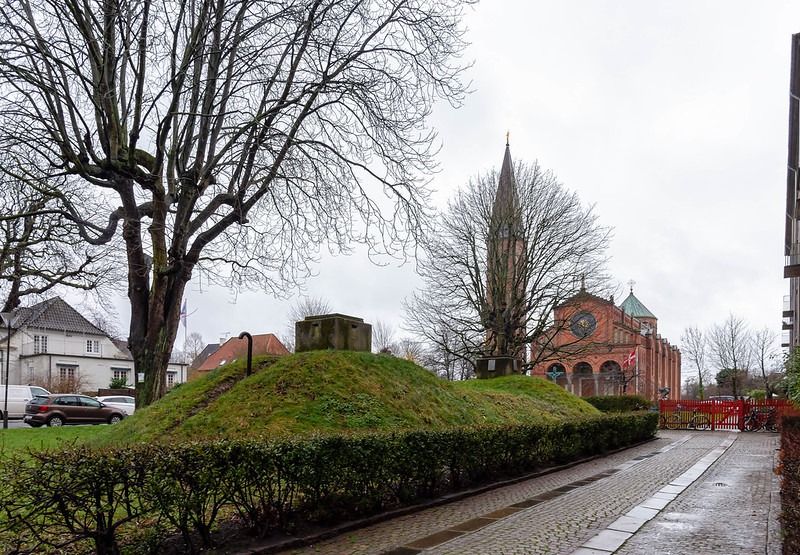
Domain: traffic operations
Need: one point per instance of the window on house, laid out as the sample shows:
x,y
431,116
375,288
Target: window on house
x,y
120,373
66,373
92,346
39,344
170,379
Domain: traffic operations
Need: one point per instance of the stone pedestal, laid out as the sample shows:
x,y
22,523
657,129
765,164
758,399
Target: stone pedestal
x,y
492,367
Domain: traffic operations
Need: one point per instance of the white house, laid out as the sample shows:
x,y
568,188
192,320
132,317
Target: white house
x,y
54,346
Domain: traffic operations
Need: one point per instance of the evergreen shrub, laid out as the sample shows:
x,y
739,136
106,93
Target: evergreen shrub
x,y
618,403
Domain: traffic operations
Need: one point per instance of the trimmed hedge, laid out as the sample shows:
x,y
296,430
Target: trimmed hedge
x,y
789,469
618,403
132,499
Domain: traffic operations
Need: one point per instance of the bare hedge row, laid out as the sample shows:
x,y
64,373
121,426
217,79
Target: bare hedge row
x,y
130,499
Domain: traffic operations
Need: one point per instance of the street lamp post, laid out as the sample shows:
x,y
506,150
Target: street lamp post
x,y
8,319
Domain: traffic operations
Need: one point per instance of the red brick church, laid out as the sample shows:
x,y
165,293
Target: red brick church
x,y
615,350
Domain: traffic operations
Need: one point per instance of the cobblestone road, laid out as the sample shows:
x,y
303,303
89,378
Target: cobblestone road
x,y
730,508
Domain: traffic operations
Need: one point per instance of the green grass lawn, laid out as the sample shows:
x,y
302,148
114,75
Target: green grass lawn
x,y
334,391
22,439
318,392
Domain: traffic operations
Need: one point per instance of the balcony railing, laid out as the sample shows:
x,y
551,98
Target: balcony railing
x,y
791,268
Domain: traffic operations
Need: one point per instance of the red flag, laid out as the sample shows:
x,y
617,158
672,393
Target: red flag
x,y
630,359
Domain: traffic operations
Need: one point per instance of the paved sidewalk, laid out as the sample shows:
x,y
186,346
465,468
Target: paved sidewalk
x,y
684,493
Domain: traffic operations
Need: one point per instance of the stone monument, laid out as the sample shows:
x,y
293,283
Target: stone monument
x,y
337,332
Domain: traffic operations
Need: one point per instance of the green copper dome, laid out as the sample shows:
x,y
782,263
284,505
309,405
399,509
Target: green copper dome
x,y
635,308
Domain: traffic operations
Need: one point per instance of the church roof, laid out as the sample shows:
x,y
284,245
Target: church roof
x,y
635,308
506,200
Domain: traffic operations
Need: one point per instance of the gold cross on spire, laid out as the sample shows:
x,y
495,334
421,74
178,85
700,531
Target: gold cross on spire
x,y
508,133
631,283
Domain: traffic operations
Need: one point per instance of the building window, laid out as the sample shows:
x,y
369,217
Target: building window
x,y
66,373
120,374
39,344
92,346
170,379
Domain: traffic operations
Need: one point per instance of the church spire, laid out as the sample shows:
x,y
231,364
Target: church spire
x,y
505,218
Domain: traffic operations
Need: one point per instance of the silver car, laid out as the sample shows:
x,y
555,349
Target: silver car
x,y
125,403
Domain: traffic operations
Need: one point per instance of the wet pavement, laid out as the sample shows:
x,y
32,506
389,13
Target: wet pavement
x,y
686,492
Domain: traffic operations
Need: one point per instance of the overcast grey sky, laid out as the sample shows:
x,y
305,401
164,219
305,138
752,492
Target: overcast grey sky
x,y
670,117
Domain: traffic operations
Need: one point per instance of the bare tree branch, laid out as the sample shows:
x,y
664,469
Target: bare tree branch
x,y
236,137
474,294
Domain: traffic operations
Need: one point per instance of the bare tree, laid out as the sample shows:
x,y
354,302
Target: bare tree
x,y
383,337
694,348
66,381
485,281
233,137
105,317
618,378
300,309
193,346
731,349
443,362
411,349
40,252
765,355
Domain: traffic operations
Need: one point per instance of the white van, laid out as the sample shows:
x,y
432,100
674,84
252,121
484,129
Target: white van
x,y
18,397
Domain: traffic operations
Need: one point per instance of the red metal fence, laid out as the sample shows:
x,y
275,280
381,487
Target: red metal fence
x,y
724,415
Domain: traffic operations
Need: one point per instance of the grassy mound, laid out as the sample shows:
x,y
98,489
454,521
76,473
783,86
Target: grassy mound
x,y
330,391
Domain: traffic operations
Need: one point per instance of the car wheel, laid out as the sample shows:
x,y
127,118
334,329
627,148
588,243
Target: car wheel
x,y
114,419
55,421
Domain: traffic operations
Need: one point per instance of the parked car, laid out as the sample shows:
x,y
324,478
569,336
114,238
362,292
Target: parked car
x,y
60,409
18,397
125,403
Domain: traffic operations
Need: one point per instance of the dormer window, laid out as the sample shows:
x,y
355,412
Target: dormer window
x,y
93,346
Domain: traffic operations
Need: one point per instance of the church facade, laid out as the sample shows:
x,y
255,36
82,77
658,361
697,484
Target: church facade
x,y
605,349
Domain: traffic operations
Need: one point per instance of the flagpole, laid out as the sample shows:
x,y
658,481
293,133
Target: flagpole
x,y
185,318
636,351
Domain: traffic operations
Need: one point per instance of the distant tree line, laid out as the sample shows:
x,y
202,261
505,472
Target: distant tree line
x,y
728,358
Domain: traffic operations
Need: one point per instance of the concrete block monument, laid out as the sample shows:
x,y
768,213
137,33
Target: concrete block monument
x,y
332,331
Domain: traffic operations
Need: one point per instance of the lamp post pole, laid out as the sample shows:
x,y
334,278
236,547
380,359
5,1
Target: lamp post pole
x,y
249,337
7,318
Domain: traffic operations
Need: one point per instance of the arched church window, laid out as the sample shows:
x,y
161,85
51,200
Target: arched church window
x,y
582,368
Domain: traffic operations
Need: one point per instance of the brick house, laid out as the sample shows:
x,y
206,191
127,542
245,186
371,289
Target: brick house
x,y
234,349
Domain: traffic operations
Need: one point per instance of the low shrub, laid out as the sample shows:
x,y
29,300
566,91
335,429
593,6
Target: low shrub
x,y
106,496
618,403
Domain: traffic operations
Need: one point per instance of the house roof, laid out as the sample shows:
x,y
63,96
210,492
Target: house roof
x,y
235,348
635,308
55,314
207,351
122,345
